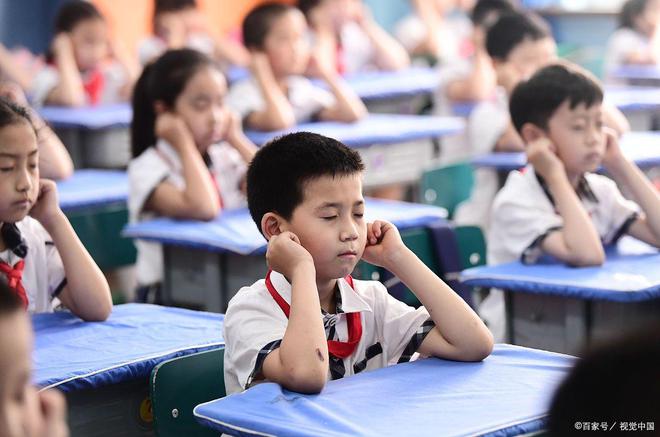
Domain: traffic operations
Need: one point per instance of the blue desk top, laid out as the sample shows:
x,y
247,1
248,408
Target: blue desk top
x,y
506,394
388,85
71,354
375,129
630,99
234,231
642,147
88,117
88,188
630,274
637,72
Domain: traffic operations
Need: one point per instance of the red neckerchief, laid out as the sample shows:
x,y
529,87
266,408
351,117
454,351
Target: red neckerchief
x,y
14,279
339,349
94,86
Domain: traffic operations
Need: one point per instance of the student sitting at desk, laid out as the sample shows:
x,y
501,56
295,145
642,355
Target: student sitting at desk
x,y
557,205
309,321
279,96
189,151
178,24
54,160
24,412
85,68
519,44
348,38
637,40
41,257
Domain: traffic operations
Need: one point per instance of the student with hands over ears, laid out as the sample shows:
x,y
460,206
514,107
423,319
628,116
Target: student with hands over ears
x,y
309,321
278,96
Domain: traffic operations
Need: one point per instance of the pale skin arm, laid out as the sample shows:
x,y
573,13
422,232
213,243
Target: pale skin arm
x,y
301,362
510,141
614,119
577,242
478,85
348,107
432,22
277,112
390,55
627,174
12,71
87,293
128,64
199,199
69,91
459,334
236,137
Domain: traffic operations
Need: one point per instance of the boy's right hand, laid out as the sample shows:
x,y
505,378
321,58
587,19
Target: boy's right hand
x,y
259,63
541,153
46,414
62,44
285,254
171,128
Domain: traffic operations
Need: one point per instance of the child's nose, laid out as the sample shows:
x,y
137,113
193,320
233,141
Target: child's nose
x,y
24,181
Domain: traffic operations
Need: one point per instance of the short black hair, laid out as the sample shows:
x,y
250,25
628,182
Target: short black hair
x,y
72,13
486,12
164,6
258,23
512,29
630,11
535,100
613,382
279,170
307,6
9,300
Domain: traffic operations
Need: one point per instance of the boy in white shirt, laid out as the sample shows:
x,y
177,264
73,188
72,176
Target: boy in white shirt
x,y
309,321
557,205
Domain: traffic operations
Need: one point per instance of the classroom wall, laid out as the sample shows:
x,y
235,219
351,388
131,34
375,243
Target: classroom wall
x,y
131,20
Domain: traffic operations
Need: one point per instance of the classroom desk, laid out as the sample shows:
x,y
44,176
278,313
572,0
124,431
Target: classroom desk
x,y
104,368
640,105
637,74
642,147
505,395
206,263
95,203
556,307
395,148
96,136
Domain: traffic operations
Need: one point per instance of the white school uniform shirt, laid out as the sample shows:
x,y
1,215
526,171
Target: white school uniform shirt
x,y
306,99
621,44
255,324
162,163
487,122
43,274
455,31
48,77
524,214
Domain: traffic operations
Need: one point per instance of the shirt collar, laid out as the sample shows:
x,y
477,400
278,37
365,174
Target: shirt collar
x,y
583,189
351,302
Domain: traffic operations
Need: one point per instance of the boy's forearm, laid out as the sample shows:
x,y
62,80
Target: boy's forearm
x,y
350,106
86,287
579,235
628,175
278,112
304,348
458,324
389,53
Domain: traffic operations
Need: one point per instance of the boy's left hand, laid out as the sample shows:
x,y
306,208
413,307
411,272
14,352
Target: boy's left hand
x,y
46,207
383,243
613,155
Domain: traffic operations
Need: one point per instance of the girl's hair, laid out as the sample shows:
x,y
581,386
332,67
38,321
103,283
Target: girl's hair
x,y
163,80
11,113
72,13
630,11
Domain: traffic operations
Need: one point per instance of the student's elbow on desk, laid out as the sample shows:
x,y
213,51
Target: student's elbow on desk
x,y
589,259
305,381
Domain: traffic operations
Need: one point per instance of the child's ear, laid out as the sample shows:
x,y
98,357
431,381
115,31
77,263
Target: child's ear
x,y
271,224
531,132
